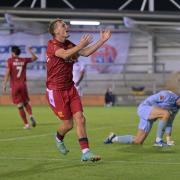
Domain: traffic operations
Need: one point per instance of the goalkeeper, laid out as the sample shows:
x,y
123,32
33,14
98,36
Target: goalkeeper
x,y
162,106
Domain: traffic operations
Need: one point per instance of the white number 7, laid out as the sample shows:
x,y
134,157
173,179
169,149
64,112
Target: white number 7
x,y
19,68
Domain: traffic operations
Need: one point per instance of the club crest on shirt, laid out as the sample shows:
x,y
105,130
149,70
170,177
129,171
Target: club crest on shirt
x,y
162,98
60,114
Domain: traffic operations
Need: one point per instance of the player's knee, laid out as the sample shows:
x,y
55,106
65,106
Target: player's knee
x,y
166,115
68,125
81,121
137,141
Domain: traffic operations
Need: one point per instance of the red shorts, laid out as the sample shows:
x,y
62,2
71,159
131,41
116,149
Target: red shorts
x,y
20,94
64,103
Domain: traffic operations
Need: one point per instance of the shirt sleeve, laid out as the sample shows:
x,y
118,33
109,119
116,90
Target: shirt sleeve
x,y
28,60
53,47
155,99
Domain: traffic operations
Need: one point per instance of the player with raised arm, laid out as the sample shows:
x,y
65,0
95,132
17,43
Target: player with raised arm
x,y
163,106
16,71
62,95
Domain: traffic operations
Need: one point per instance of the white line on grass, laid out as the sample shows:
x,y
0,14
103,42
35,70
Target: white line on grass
x,y
104,161
42,135
34,159
36,136
25,137
146,162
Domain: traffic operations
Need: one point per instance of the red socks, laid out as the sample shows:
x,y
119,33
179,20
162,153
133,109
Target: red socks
x,y
59,137
84,144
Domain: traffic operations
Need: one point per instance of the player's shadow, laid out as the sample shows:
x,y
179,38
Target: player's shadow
x,y
46,167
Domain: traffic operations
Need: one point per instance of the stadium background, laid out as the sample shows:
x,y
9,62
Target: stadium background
x,y
151,60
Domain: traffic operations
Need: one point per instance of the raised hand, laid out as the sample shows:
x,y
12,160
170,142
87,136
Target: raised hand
x,y
105,34
86,40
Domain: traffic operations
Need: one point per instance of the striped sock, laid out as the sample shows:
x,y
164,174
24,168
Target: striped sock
x,y
84,144
59,137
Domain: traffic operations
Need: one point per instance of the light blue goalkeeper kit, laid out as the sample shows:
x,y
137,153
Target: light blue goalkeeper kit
x,y
164,99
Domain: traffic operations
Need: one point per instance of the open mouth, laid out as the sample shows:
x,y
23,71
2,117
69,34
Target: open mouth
x,y
67,34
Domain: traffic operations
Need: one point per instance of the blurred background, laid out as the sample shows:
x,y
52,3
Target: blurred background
x,y
141,58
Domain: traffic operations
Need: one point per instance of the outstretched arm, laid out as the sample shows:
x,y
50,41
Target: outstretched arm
x,y
66,54
34,57
6,78
104,36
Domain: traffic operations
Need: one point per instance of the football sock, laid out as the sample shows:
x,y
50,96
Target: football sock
x,y
85,150
23,115
84,144
168,130
168,138
126,139
28,108
160,129
59,137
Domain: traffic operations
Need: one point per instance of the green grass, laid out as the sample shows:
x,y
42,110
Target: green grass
x,y
32,155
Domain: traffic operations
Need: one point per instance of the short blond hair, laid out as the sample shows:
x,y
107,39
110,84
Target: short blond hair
x,y
52,26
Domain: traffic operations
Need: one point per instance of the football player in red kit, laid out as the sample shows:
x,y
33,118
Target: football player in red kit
x,y
62,95
16,71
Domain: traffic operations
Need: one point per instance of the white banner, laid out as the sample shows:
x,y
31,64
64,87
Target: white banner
x,y
105,60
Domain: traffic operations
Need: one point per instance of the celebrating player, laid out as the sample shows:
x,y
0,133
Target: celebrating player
x,y
61,92
16,70
163,106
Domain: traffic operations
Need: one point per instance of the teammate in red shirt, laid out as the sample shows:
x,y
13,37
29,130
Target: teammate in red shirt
x,y
61,92
16,70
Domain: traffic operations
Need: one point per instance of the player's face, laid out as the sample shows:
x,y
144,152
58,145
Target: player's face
x,y
61,31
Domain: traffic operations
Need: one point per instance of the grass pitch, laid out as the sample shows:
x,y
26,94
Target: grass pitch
x,y
32,154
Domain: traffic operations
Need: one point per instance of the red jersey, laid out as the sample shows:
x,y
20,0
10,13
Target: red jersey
x,y
17,68
59,71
